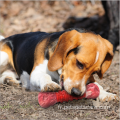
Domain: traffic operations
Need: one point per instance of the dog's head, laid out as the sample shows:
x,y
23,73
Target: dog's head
x,y
80,55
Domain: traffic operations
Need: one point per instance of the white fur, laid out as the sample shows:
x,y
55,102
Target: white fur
x,y
25,80
1,37
105,96
68,84
83,85
54,75
3,58
41,77
97,56
60,71
8,73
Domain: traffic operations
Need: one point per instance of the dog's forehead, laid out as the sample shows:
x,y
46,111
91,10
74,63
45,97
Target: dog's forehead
x,y
88,45
87,52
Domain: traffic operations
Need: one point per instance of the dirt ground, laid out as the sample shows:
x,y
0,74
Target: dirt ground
x,y
15,102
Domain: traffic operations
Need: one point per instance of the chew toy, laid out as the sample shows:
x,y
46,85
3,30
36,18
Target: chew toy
x,y
47,99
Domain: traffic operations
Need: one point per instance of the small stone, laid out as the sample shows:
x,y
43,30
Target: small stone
x,y
76,118
118,81
96,102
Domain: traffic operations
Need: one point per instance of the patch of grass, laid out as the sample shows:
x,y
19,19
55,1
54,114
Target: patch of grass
x,y
19,106
5,106
25,106
87,114
1,31
107,117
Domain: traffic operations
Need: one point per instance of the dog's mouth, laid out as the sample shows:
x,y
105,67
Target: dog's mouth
x,y
61,83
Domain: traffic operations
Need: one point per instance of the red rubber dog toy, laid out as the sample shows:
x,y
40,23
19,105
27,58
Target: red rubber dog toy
x,y
47,99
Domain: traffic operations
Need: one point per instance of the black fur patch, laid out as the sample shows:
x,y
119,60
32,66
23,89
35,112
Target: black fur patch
x,y
46,55
76,50
23,46
81,30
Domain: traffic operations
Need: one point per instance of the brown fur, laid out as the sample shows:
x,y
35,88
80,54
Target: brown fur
x,y
64,56
5,48
90,43
39,54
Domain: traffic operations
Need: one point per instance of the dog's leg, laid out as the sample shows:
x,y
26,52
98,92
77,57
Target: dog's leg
x,y
3,58
9,77
41,81
105,96
7,71
40,77
25,80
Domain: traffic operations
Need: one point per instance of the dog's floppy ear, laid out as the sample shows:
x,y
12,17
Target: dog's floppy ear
x,y
67,41
108,58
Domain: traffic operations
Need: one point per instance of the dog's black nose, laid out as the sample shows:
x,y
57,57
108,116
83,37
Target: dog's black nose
x,y
76,92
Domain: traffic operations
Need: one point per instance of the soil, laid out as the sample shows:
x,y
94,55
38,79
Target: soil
x,y
16,102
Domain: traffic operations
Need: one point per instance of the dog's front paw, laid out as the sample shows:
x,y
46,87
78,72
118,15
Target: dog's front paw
x,y
51,87
106,96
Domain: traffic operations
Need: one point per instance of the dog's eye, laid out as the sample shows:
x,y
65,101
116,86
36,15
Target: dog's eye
x,y
79,64
94,72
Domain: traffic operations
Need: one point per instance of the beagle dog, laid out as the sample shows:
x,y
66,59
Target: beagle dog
x,y
52,61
